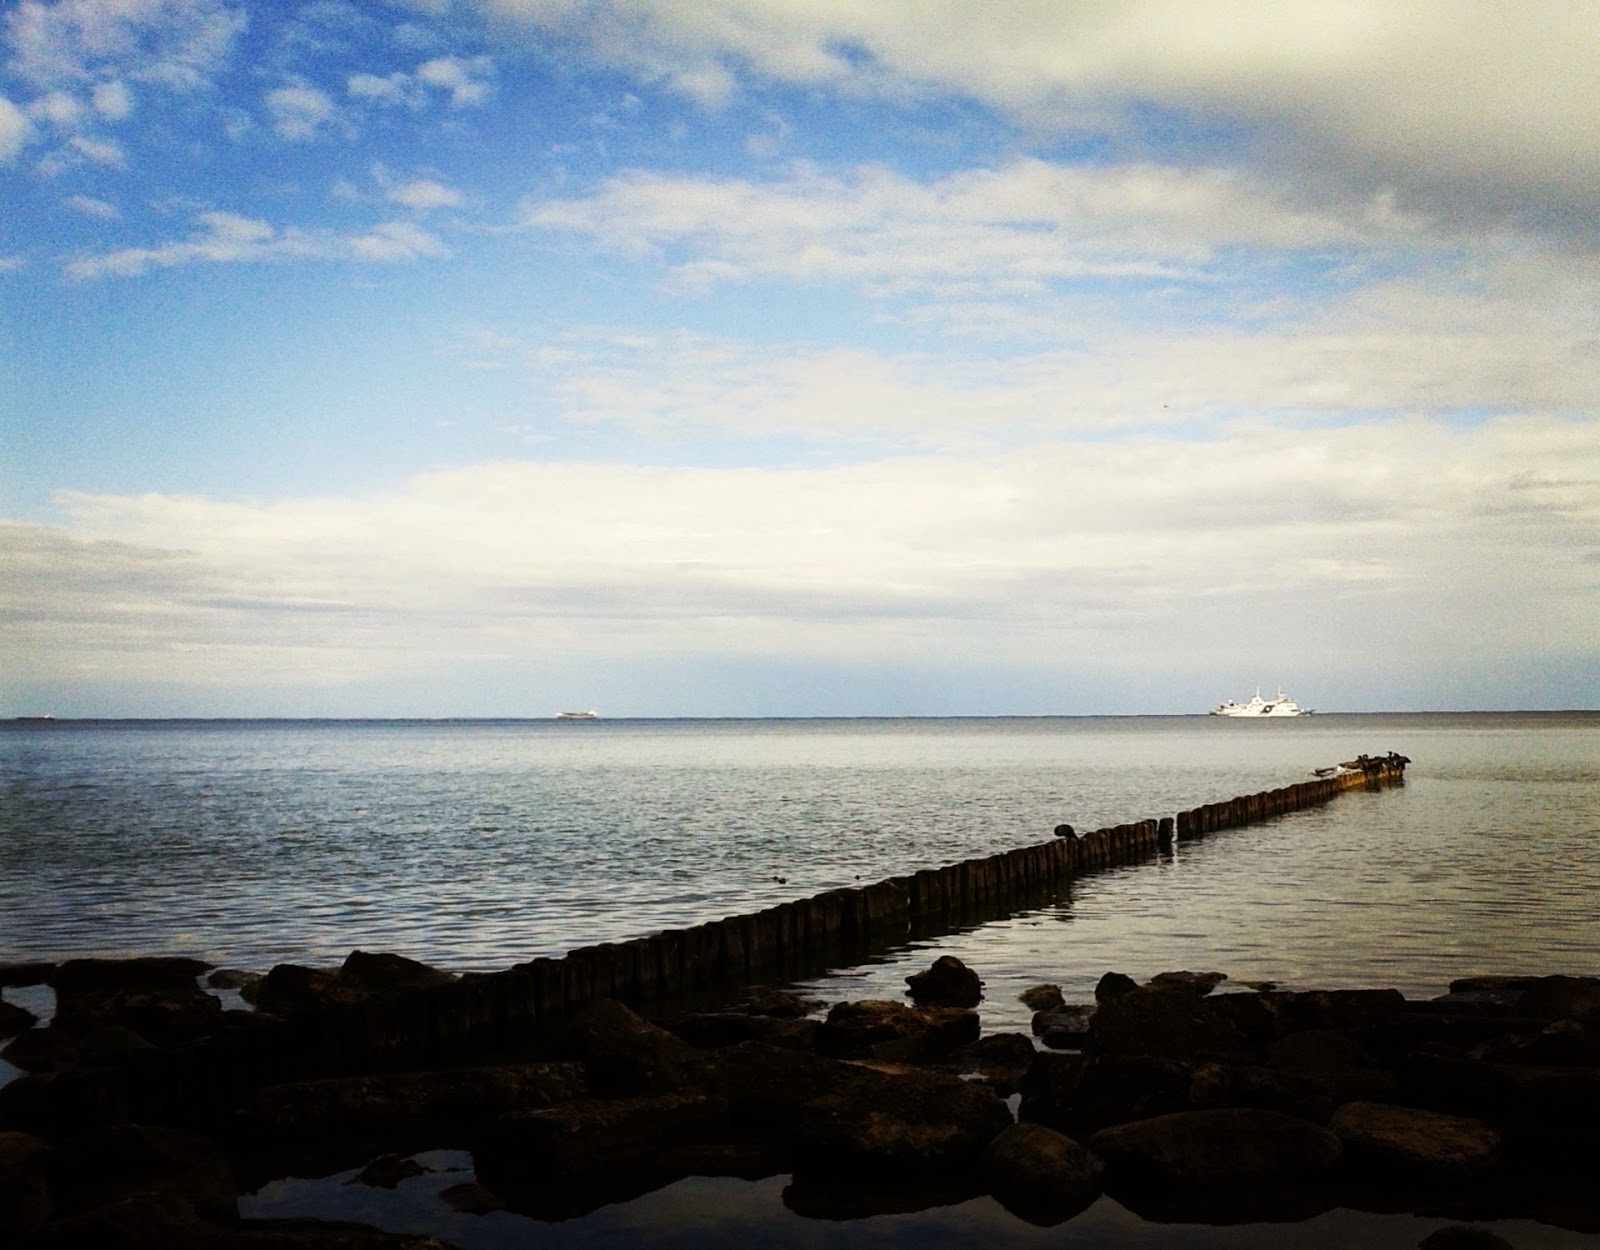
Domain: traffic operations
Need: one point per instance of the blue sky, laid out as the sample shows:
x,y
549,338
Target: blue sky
x,y
491,357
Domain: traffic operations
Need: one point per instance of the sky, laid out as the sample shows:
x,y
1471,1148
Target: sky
x,y
797,357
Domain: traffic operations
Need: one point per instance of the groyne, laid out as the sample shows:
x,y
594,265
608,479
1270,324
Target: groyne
x,y
375,1017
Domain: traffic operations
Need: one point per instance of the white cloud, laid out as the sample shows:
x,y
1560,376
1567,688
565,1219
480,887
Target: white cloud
x,y
1484,109
100,151
1051,549
423,194
1010,229
113,100
395,88
230,237
300,111
178,44
469,81
14,130
91,207
58,108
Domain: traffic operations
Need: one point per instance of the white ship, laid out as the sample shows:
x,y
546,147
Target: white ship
x,y
1279,705
591,714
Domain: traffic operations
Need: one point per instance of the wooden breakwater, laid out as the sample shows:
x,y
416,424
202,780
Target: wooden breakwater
x,y
487,1014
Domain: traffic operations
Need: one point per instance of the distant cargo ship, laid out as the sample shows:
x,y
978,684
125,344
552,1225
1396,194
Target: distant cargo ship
x,y
591,714
1280,705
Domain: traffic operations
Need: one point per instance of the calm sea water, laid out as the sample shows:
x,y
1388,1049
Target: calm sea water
x,y
474,845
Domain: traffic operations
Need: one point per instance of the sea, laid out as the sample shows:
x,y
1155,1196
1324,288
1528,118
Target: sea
x,y
476,844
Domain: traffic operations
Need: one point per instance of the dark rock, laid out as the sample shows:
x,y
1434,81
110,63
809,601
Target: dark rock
x,y
729,1028
1079,1094
623,1053
158,998
1001,1060
110,1044
1042,998
1463,1237
564,1161
1114,985
784,1004
1197,983
873,1029
1403,1142
26,974
127,1161
229,979
387,1171
24,1181
1036,1170
947,983
146,1221
1562,998
1232,1147
320,1235
293,990
1158,1022
15,1019
368,1106
1316,1050
1065,1028
383,973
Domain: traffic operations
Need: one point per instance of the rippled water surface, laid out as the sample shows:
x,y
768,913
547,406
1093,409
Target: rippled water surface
x,y
476,844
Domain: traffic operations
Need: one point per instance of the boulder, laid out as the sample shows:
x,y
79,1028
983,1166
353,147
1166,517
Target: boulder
x,y
1114,985
1042,1174
1229,1148
947,983
24,1181
767,1000
26,974
874,1029
729,1028
1039,998
1463,1237
371,1106
1196,983
15,1019
1079,1094
387,1171
1562,998
1316,1050
1169,1024
158,998
1404,1143
625,1054
1002,1060
1063,1028
380,973
130,1161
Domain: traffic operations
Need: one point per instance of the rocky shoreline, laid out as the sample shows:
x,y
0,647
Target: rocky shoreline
x,y
1185,1098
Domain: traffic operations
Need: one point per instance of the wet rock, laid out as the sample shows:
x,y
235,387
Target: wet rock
x,y
158,998
729,1028
1114,985
1080,1094
24,1181
1231,1147
387,1171
947,983
26,974
1406,1143
1039,998
229,978
369,1106
1002,1061
15,1019
781,1003
1043,1173
127,1161
380,973
1316,1050
1463,1237
1197,983
1064,1028
874,1029
1562,998
291,990
140,1222
623,1053
110,1044
1169,1024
